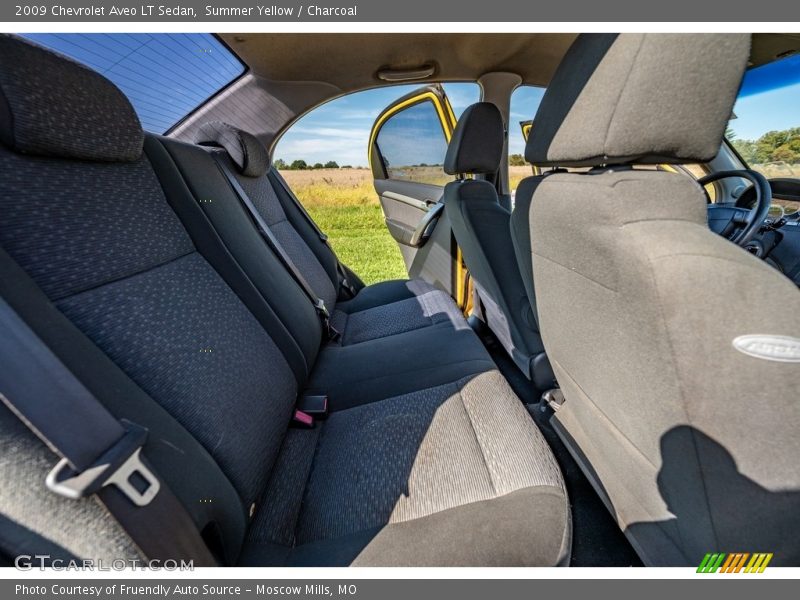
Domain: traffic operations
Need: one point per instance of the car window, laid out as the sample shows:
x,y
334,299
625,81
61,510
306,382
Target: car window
x,y
412,144
164,75
337,133
765,128
524,103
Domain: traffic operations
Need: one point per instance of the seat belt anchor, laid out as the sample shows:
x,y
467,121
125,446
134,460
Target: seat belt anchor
x,y
325,317
116,466
322,309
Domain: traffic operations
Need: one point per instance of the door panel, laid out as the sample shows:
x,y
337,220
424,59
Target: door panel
x,y
409,208
408,143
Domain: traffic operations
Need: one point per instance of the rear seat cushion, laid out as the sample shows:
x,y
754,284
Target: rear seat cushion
x,y
394,307
396,364
461,466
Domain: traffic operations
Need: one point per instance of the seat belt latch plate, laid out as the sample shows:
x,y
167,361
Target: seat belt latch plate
x,y
116,467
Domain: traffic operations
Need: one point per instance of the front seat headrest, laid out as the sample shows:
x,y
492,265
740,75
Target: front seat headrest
x,y
247,153
477,142
51,105
639,98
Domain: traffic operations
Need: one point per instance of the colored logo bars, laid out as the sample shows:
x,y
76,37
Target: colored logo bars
x,y
735,562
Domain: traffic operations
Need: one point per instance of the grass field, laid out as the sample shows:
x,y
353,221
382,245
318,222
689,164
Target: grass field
x,y
344,204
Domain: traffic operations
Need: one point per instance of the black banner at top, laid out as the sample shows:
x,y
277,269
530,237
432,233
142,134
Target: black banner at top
x,y
454,11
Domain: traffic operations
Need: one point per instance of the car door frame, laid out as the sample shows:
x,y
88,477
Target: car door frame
x,y
426,240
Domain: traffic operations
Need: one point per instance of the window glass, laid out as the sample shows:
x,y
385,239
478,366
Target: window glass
x,y
164,75
412,144
524,102
337,132
765,128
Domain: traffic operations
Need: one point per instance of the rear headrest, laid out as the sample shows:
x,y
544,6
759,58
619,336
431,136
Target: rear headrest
x,y
477,142
639,98
247,153
52,106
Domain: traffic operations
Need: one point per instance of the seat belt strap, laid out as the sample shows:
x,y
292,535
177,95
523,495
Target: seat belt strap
x,y
100,455
275,245
324,238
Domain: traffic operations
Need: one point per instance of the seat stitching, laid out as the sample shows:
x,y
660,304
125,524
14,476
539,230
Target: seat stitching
x,y
127,276
682,391
571,270
622,93
304,496
487,361
478,442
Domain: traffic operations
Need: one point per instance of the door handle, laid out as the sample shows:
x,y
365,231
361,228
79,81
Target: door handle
x,y
425,227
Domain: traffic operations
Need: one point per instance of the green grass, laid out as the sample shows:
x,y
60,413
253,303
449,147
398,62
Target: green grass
x,y
360,239
344,204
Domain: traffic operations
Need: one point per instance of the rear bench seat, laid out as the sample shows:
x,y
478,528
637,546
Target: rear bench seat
x,y
112,261
390,330
412,304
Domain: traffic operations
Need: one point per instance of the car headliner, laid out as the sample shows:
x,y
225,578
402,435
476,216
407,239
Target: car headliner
x,y
290,74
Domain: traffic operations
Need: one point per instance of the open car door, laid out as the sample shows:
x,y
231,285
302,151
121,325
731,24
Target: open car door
x,y
407,146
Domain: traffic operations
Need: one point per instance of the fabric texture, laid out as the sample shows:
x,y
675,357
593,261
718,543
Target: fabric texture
x,y
413,456
184,337
248,154
477,142
651,379
83,528
100,264
481,227
612,101
53,106
223,231
263,196
83,224
425,308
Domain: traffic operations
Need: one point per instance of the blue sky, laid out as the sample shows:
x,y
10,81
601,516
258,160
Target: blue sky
x,y
165,76
339,130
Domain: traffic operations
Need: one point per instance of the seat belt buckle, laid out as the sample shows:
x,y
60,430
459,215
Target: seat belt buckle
x,y
117,466
315,406
351,289
322,309
325,316
302,420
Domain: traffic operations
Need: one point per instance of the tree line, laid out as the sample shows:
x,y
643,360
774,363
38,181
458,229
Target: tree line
x,y
773,146
301,165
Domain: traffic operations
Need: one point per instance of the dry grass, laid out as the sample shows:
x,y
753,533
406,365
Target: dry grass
x,y
517,174
777,170
332,187
344,204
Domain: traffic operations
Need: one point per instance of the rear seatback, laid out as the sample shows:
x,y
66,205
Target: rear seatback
x,y
415,303
95,259
396,327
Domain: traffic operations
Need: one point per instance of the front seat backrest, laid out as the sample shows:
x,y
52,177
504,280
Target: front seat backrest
x,y
480,225
693,444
